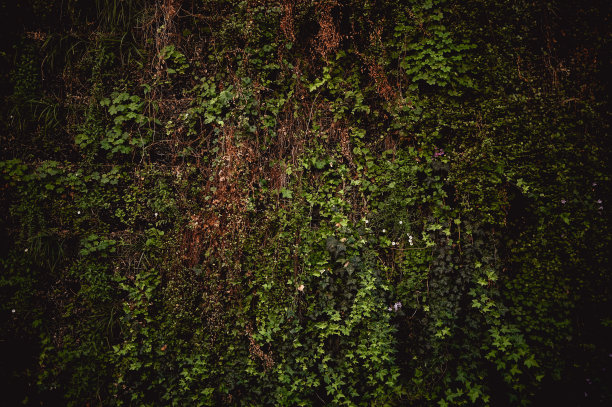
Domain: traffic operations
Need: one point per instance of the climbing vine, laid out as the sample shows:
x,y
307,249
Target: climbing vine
x,y
305,203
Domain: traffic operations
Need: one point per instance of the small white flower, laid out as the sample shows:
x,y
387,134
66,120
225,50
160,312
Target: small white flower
x,y
389,309
367,221
301,287
13,310
400,222
156,214
594,184
599,201
78,212
384,230
26,250
393,243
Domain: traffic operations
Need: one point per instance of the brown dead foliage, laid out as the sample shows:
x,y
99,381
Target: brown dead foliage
x,y
287,20
222,220
256,351
161,28
328,37
339,133
375,70
383,87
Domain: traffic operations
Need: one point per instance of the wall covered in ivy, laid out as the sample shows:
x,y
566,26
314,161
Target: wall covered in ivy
x,y
292,202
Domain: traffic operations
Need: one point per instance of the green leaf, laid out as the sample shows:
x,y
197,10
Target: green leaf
x,y
286,193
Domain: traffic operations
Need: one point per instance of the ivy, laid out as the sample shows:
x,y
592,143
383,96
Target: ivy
x,y
306,203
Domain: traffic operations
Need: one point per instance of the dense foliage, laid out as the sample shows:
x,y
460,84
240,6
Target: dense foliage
x,y
276,202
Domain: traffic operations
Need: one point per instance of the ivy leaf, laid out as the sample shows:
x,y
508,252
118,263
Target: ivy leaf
x,y
286,193
474,393
565,218
531,362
